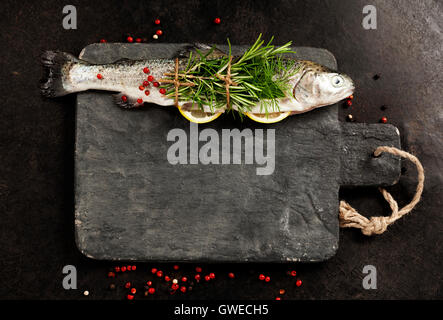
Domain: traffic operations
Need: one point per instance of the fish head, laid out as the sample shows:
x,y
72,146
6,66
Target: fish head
x,y
317,86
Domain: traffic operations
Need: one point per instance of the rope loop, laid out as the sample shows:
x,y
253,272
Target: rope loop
x,y
350,218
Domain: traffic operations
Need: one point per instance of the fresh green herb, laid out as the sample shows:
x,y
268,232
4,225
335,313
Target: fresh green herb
x,y
260,75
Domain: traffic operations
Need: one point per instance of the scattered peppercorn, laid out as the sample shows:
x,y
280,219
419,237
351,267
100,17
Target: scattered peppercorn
x,y
157,21
207,278
176,267
261,277
146,70
150,78
130,297
103,41
141,88
146,83
151,290
167,279
117,269
133,290
349,103
154,270
127,285
159,32
298,283
138,40
267,279
147,92
282,291
212,275
139,101
162,90
159,273
111,274
217,20
99,76
156,84
197,277
384,120
198,269
124,98
130,39
278,298
231,275
149,283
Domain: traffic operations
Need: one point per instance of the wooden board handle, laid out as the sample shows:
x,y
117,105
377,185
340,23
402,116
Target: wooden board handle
x,y
359,167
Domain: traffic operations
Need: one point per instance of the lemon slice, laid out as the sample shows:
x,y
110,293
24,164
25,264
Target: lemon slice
x,y
198,116
269,118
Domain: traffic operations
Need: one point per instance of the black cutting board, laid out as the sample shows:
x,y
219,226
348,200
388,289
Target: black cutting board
x,y
131,203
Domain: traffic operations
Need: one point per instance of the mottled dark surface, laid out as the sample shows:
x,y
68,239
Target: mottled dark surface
x,y
127,192
37,141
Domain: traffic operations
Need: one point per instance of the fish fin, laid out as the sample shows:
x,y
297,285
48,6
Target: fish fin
x,y
206,50
201,46
56,65
128,103
125,60
184,52
210,52
187,106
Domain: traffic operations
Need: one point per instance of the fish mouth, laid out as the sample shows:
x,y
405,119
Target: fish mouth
x,y
349,92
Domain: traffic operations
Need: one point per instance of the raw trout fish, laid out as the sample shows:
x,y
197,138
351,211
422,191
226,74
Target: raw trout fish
x,y
135,82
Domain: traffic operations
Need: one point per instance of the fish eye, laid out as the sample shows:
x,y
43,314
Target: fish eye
x,y
337,81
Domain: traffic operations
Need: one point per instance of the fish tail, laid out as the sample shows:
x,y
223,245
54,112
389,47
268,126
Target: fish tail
x,y
57,65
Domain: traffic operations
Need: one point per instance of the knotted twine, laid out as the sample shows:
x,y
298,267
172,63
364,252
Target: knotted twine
x,y
350,218
227,80
177,83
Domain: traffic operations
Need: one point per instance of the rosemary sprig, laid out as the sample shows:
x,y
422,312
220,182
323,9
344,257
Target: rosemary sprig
x,y
260,75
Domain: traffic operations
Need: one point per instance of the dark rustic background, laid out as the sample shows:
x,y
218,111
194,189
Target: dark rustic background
x,y
37,140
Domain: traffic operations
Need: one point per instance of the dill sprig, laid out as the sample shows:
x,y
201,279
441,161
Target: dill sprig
x,y
260,75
